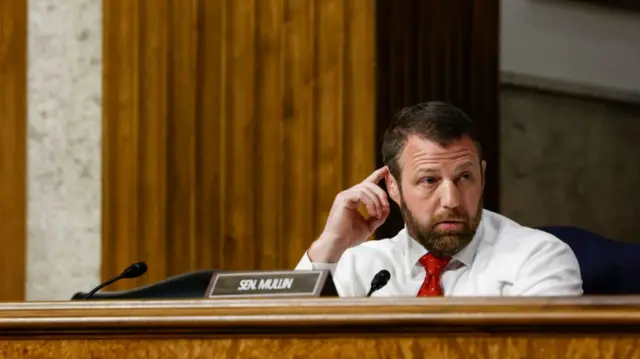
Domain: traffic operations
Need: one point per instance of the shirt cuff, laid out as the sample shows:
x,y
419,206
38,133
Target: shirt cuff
x,y
306,264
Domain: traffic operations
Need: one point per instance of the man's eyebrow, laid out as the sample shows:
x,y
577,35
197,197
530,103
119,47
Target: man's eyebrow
x,y
463,166
427,171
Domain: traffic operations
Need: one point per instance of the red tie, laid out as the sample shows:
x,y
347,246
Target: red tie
x,y
434,267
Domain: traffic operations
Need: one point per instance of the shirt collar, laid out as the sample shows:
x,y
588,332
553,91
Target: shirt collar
x,y
415,250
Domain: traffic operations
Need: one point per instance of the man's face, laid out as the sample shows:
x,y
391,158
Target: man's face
x,y
440,193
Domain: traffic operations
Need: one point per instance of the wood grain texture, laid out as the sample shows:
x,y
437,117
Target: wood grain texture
x,y
318,328
13,148
470,346
229,127
326,315
439,50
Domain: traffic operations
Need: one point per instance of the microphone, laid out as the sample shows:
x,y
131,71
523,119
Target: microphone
x,y
133,271
379,280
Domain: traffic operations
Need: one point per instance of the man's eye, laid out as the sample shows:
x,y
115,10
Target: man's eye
x,y
429,180
466,176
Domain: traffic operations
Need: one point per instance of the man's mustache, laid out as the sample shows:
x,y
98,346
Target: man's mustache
x,y
451,216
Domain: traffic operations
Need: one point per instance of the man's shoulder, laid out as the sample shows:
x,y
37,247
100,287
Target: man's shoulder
x,y
508,247
509,236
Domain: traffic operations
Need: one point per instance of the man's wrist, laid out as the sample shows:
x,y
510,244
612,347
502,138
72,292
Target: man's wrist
x,y
326,249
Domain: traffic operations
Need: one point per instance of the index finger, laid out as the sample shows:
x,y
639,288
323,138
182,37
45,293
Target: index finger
x,y
377,175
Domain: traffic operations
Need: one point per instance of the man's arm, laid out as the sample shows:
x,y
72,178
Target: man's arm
x,y
551,269
346,228
305,263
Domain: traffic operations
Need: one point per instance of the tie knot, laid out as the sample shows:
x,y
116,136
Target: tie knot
x,y
434,265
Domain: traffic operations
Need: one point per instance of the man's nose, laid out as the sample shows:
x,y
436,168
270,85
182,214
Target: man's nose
x,y
450,195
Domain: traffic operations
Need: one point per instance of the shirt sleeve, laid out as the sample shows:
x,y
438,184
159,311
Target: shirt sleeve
x,y
306,264
343,273
551,269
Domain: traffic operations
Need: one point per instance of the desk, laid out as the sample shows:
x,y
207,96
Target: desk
x,y
606,327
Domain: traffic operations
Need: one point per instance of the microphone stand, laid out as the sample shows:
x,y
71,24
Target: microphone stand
x,y
96,289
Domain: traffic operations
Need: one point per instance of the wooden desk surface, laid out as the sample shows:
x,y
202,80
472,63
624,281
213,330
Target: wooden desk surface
x,y
586,327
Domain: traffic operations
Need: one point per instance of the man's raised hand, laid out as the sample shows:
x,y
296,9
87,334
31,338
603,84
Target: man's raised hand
x,y
346,226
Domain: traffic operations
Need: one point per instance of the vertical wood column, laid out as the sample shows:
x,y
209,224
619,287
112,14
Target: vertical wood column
x,y
13,148
229,127
445,50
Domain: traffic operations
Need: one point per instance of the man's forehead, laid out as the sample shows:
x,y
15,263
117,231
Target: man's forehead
x,y
420,151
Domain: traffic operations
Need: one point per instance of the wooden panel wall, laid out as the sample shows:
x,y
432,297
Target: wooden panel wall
x,y
229,127
13,148
444,50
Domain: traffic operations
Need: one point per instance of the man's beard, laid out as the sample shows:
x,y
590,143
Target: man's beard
x,y
442,243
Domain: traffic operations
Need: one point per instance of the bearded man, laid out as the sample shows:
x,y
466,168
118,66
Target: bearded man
x,y
450,245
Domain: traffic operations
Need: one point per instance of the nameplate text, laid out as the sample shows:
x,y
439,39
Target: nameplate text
x,y
271,284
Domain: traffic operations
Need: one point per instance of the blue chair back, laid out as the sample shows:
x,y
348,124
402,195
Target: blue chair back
x,y
608,266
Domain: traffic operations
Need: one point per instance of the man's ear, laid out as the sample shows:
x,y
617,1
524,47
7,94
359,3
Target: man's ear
x,y
392,187
484,170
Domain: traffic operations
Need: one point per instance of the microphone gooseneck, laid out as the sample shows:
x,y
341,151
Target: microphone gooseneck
x,y
379,280
133,271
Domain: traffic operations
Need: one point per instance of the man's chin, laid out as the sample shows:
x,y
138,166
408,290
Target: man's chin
x,y
447,244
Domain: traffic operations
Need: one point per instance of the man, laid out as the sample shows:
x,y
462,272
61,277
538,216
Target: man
x,y
450,245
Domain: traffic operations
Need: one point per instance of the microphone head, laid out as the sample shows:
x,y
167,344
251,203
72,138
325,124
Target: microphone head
x,y
381,279
135,270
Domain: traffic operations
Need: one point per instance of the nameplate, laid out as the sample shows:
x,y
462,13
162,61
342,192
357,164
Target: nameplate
x,y
254,284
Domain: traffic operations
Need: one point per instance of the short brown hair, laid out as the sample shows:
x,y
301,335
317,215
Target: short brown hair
x,y
434,121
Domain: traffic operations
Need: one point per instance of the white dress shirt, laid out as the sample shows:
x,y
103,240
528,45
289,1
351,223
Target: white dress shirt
x,y
503,259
